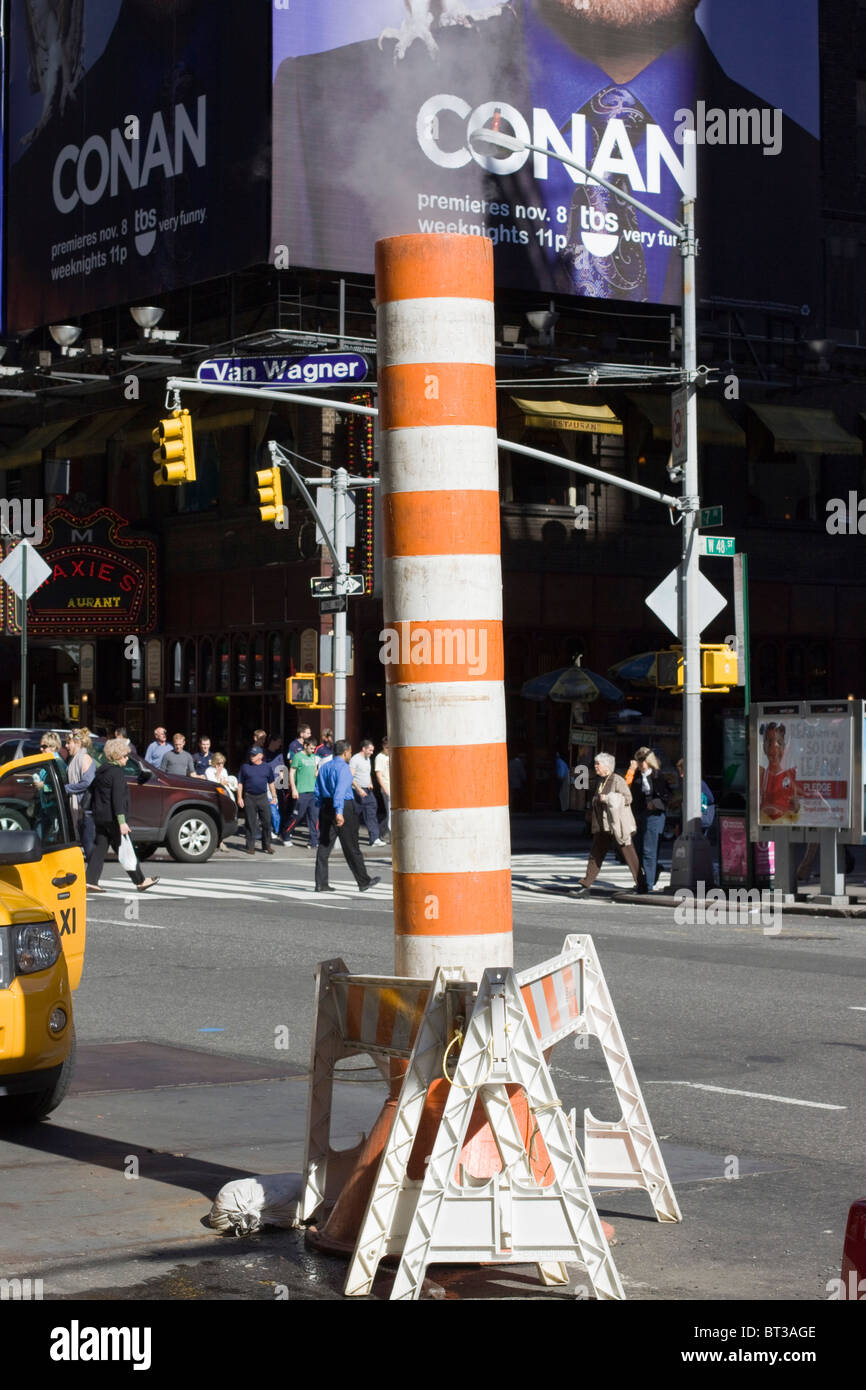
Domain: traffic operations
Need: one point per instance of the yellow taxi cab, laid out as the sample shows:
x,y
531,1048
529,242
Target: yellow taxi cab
x,y
42,936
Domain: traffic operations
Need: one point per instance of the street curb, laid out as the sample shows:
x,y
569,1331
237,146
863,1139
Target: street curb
x,y
786,909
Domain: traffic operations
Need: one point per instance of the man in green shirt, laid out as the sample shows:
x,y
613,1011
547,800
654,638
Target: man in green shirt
x,y
302,782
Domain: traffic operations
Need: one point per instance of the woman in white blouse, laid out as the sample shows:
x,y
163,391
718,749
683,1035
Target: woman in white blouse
x,y
217,772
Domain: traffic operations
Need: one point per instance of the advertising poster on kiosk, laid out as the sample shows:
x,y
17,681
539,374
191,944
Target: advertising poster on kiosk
x,y
376,107
804,770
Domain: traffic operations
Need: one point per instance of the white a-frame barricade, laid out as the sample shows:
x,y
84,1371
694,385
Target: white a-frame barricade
x,y
503,1029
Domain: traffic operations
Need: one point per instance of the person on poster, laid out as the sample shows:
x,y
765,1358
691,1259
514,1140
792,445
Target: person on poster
x,y
778,790
611,82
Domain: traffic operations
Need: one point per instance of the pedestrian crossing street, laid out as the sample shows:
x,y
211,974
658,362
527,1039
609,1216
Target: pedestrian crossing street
x,y
535,877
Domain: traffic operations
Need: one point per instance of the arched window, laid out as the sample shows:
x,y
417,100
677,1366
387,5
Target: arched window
x,y
175,666
259,663
223,670
189,670
795,668
242,663
275,661
768,671
136,676
205,664
817,672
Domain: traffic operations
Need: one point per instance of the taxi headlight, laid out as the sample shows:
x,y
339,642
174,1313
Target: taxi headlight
x,y
37,947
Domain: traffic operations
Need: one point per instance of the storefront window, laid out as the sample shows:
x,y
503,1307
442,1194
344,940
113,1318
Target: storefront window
x,y
242,664
223,663
136,677
189,667
275,661
176,667
259,664
205,659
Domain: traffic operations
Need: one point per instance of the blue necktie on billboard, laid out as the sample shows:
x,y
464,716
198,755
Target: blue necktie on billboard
x,y
622,273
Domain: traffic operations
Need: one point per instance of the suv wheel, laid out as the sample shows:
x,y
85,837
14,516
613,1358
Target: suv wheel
x,y
192,837
11,820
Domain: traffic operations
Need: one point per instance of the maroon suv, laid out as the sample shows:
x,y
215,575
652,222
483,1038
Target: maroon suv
x,y
189,815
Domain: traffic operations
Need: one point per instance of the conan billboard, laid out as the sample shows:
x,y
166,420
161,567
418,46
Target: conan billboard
x,y
377,106
132,166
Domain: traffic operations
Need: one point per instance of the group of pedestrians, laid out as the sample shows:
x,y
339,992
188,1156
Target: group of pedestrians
x,y
322,787
629,813
99,799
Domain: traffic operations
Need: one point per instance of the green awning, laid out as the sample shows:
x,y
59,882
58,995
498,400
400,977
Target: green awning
x,y
213,417
801,430
29,448
565,415
715,425
95,432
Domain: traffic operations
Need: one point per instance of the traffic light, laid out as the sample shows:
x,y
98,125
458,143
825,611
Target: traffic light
x,y
174,451
270,486
302,689
719,668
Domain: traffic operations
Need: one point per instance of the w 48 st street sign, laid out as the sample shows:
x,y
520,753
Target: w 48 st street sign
x,y
325,586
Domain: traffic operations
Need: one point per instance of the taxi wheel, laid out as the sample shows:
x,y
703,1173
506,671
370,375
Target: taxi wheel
x,y
35,1105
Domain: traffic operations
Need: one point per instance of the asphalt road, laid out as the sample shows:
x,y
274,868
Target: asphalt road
x,y
749,1049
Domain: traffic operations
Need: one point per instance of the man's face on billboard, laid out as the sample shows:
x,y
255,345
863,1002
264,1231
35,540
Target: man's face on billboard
x,y
623,14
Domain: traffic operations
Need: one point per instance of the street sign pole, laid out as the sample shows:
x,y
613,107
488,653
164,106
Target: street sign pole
x,y
341,487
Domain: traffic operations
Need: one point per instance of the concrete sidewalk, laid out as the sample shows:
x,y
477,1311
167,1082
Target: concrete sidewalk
x,y
564,834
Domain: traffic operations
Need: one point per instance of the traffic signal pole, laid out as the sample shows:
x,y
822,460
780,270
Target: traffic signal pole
x,y
340,482
692,858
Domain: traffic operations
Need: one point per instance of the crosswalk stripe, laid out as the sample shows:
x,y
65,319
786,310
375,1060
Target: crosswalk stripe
x,y
534,877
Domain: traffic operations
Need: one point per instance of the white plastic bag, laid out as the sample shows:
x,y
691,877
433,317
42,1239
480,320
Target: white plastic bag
x,y
126,854
247,1204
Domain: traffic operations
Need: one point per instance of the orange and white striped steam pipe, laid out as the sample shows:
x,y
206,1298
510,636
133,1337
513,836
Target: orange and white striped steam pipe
x,y
442,640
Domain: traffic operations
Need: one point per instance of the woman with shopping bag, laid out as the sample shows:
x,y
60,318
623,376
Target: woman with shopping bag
x,y
612,823
110,804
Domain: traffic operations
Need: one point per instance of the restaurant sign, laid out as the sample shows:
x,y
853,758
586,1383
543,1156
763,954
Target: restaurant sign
x,y
102,582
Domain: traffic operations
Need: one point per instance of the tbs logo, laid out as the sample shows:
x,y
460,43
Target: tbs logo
x,y
599,231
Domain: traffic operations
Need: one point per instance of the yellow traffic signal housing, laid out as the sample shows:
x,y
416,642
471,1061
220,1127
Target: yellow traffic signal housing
x,y
174,451
270,486
719,669
669,669
302,689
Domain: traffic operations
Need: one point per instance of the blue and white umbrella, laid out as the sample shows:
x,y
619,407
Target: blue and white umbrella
x,y
639,670
571,683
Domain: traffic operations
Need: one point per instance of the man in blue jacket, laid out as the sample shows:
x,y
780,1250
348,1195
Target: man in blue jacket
x,y
338,819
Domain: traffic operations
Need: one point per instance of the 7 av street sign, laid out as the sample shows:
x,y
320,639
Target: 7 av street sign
x,y
711,516
325,585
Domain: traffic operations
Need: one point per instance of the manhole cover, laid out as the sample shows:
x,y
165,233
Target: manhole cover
x,y
148,1066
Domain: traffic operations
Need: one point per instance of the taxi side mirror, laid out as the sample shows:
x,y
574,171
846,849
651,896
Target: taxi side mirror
x,y
20,847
